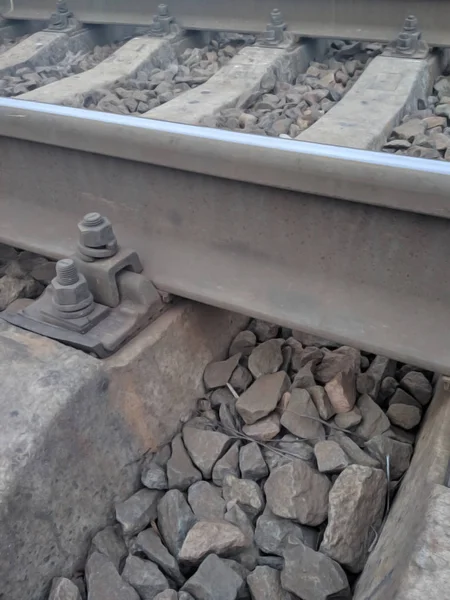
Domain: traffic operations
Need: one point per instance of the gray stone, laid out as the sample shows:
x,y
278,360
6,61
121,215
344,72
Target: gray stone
x,y
374,421
296,491
238,517
341,390
409,130
214,580
401,435
252,463
321,402
404,415
307,339
144,577
387,389
264,429
262,397
181,473
330,457
246,493
227,465
175,518
264,584
228,418
418,386
243,343
136,513
349,419
442,86
109,542
211,537
266,358
12,288
44,272
310,355
370,381
399,453
356,455
311,575
274,562
222,396
272,533
301,417
297,449
240,379
149,543
166,595
397,144
104,582
206,501
205,448
162,456
341,359
304,378
217,374
263,330
357,501
64,589
185,596
154,477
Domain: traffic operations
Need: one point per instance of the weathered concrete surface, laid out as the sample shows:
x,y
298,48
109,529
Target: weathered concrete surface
x,y
428,573
74,429
387,90
125,62
44,48
412,532
232,86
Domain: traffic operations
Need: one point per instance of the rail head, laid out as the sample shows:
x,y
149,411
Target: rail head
x,y
397,182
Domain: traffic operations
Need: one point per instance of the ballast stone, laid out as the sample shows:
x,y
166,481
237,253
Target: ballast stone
x,y
356,506
104,582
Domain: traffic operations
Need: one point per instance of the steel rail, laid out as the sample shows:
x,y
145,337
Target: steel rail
x,y
348,19
343,243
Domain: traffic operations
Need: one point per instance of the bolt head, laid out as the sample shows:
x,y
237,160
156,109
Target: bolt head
x,y
98,236
71,294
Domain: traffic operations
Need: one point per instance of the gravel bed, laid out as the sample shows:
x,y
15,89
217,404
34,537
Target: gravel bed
x,y
23,274
286,109
282,466
425,133
26,79
160,83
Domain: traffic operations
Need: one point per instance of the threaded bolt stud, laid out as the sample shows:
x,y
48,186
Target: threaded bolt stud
x,y
66,272
410,24
163,10
92,219
61,7
276,18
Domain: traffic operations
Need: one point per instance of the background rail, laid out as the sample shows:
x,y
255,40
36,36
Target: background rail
x,y
363,19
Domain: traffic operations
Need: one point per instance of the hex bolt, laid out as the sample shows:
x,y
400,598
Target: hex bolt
x,y
163,10
93,219
404,42
157,26
66,272
276,18
410,24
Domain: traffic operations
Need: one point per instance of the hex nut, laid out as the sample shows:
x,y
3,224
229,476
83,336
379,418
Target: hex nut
x,y
98,235
71,294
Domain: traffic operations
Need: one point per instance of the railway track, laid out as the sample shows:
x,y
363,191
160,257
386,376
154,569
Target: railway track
x,y
265,165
